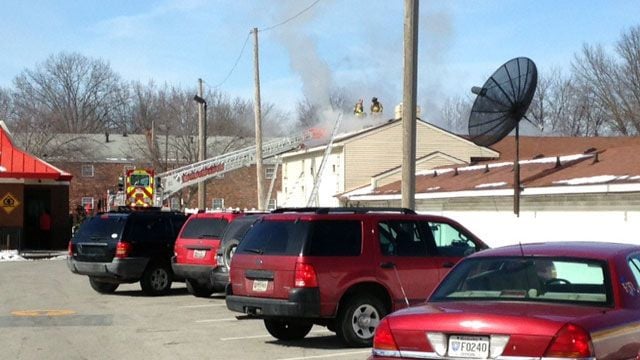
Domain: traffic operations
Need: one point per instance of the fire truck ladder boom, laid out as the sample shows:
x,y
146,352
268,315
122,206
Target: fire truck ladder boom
x,y
176,179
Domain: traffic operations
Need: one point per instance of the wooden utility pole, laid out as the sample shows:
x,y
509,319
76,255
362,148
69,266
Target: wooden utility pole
x,y
202,143
409,104
258,118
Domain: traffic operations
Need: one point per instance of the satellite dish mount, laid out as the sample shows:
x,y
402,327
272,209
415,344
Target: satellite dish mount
x,y
500,104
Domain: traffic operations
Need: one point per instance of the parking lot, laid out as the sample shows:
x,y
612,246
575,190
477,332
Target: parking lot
x,y
48,312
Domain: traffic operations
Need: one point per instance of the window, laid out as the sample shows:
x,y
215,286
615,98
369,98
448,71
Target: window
x,y
270,172
536,279
335,238
87,203
404,238
218,203
150,228
450,241
272,205
634,264
175,203
87,170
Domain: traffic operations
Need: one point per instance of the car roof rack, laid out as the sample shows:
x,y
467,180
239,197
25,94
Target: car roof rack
x,y
353,210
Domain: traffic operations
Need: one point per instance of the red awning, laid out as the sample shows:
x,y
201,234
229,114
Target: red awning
x,y
15,163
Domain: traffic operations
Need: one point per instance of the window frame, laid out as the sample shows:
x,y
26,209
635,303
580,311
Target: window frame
x,y
87,173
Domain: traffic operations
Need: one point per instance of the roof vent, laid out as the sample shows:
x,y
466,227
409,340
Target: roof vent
x,y
589,150
435,173
558,163
486,168
539,156
106,136
455,172
596,159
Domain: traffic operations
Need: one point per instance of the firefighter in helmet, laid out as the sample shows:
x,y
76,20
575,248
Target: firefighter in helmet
x,y
358,109
376,106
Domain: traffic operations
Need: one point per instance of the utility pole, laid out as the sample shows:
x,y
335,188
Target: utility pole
x,y
202,143
409,104
258,118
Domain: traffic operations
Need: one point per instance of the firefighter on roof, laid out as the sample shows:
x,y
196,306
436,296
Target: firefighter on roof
x,y
376,106
358,110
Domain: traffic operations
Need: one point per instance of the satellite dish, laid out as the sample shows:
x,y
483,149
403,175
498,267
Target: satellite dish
x,y
501,103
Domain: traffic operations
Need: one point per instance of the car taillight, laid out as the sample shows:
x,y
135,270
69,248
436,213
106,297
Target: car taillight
x,y
384,344
123,249
571,341
305,276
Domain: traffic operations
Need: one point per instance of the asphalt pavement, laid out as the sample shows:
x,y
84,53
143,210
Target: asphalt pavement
x,y
46,312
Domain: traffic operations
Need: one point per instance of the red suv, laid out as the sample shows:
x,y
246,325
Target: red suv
x,y
195,250
344,268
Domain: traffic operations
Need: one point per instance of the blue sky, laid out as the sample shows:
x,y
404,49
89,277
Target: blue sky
x,y
352,44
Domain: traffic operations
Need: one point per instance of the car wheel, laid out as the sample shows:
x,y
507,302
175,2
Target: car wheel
x,y
358,319
102,287
198,290
156,279
287,330
229,250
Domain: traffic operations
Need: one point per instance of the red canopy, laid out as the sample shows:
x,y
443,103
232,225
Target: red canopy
x,y
15,163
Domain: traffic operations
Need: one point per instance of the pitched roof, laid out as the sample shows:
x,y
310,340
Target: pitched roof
x,y
16,163
559,162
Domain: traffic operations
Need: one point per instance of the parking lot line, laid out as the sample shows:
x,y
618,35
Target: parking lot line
x,y
329,355
215,320
200,306
322,332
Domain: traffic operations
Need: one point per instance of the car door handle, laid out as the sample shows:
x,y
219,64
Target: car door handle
x,y
448,265
387,265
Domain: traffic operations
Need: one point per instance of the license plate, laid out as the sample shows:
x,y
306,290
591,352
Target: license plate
x,y
199,254
475,347
260,285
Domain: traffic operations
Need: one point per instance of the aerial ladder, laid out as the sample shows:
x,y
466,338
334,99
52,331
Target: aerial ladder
x,y
174,180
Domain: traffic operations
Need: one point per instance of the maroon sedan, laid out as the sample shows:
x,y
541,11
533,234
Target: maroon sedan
x,y
572,300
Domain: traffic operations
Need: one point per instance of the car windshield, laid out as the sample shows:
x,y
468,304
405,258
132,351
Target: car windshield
x,y
538,279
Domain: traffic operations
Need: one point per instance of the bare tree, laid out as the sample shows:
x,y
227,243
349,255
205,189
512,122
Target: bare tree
x,y
455,114
613,81
72,93
6,108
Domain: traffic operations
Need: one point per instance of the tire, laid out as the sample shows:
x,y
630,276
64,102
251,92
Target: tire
x,y
102,287
287,330
156,279
358,319
228,251
198,290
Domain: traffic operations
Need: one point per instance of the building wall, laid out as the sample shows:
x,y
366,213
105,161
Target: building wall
x,y
237,188
298,174
381,150
611,217
11,215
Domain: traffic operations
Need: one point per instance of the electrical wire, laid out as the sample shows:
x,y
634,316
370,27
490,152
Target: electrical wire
x,y
291,18
263,30
235,64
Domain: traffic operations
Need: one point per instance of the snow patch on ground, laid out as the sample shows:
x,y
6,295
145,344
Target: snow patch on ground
x,y
10,255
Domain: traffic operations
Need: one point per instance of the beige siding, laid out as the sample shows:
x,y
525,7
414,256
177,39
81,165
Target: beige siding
x,y
381,150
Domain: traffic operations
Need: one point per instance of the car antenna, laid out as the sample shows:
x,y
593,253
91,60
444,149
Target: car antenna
x,y
404,294
521,248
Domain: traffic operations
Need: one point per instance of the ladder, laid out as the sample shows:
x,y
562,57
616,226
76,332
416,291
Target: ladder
x,y
313,198
173,180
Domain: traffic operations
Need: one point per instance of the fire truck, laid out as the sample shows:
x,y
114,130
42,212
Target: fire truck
x,y
140,188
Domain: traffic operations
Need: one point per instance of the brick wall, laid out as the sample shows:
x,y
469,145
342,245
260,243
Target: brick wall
x,y
237,188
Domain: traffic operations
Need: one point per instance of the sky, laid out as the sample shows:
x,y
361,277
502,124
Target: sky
x,y
353,45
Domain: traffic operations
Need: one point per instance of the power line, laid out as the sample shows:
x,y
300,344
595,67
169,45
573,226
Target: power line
x,y
236,63
265,29
291,18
